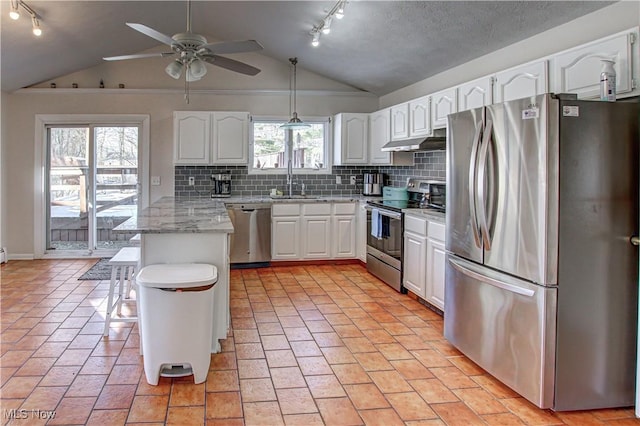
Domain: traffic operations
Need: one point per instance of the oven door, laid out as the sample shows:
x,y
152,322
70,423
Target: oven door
x,y
389,247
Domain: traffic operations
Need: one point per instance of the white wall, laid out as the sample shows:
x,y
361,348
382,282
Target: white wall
x,y
609,20
265,94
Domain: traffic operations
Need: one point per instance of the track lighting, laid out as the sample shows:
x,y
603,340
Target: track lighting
x,y
37,31
15,15
15,11
325,26
316,39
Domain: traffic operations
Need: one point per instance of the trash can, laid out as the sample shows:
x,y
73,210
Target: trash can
x,y
176,319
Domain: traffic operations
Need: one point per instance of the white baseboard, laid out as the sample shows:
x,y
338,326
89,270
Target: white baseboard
x,y
21,256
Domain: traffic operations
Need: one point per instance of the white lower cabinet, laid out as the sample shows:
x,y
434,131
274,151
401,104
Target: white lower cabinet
x,y
414,278
424,258
434,286
313,231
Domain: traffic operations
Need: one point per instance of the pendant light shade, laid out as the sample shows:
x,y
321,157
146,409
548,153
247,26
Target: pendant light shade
x,y
294,122
197,70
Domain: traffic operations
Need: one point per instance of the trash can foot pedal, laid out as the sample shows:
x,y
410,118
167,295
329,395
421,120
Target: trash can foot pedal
x,y
176,371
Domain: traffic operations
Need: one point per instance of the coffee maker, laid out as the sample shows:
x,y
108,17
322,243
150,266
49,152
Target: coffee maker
x,y
373,183
221,185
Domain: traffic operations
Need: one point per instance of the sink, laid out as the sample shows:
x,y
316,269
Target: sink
x,y
294,197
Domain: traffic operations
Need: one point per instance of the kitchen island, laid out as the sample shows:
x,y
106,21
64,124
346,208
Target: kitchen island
x,y
173,230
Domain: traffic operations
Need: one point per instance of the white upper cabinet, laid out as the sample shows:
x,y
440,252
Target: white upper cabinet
x,y
475,94
443,103
204,137
419,117
400,121
191,137
578,70
350,138
379,135
230,137
521,82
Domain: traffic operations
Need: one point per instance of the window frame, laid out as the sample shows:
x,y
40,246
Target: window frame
x,y
328,147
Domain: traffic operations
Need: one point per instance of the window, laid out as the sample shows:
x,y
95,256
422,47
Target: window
x,y
270,151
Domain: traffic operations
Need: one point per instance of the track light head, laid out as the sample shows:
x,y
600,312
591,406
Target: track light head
x,y
316,39
37,31
326,27
15,10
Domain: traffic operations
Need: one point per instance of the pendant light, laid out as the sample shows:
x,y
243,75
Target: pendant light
x,y
294,123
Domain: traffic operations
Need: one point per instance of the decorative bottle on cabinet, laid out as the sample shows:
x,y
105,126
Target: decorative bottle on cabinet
x,y
608,81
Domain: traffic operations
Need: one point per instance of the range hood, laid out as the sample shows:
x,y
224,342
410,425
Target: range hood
x,y
435,142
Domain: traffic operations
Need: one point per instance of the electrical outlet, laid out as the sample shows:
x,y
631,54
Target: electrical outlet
x,y
353,180
338,180
155,180
192,181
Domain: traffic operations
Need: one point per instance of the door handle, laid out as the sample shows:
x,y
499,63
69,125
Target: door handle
x,y
635,240
472,185
248,210
484,152
492,281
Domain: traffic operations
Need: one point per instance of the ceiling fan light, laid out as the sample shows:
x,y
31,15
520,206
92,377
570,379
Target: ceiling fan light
x,y
197,69
174,69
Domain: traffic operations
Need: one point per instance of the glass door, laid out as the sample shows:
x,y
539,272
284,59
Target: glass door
x,y
92,187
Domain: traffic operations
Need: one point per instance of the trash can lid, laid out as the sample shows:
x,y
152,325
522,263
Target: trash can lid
x,y
177,275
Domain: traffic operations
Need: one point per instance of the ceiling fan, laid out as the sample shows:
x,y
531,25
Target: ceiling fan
x,y
192,51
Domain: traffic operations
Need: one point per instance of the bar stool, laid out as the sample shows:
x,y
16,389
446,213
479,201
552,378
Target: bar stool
x,y
176,319
123,266
135,240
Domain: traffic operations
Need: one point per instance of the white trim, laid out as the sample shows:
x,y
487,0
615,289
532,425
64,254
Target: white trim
x,y
41,121
222,92
21,256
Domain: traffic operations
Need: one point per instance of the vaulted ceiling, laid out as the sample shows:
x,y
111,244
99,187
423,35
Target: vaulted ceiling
x,y
379,46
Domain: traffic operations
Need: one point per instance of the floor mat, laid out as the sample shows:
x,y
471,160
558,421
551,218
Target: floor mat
x,y
100,271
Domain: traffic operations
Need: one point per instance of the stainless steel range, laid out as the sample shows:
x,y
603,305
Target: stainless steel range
x,y
385,226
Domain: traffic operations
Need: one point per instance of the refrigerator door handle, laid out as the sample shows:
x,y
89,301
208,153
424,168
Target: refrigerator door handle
x,y
482,173
473,184
491,281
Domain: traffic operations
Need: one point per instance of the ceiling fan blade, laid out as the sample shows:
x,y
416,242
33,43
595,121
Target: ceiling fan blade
x,y
230,64
153,33
138,56
233,47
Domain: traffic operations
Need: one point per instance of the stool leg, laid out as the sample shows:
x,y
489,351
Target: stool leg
x,y
122,272
130,270
112,284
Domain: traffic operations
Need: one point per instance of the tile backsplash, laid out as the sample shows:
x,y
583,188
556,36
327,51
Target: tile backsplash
x,y
427,164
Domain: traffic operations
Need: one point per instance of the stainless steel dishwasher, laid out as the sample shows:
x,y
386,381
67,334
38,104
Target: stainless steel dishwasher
x,y
251,238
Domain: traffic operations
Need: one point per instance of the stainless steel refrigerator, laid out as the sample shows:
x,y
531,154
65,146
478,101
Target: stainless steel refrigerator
x,y
541,277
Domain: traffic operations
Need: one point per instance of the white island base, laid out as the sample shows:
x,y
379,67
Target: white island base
x,y
205,247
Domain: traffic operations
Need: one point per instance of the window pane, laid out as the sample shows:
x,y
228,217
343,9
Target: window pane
x,y
268,145
308,147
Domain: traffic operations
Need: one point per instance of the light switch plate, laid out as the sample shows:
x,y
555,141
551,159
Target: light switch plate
x,y
155,180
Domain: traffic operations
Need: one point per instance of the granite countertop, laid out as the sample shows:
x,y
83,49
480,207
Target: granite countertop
x,y
201,215
431,214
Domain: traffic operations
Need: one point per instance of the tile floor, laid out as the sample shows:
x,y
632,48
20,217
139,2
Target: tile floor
x,y
310,345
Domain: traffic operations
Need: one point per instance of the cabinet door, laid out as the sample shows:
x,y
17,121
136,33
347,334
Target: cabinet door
x,y
419,117
191,137
521,82
578,70
400,121
316,234
442,104
230,137
475,94
434,287
285,238
379,136
351,136
343,237
414,263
